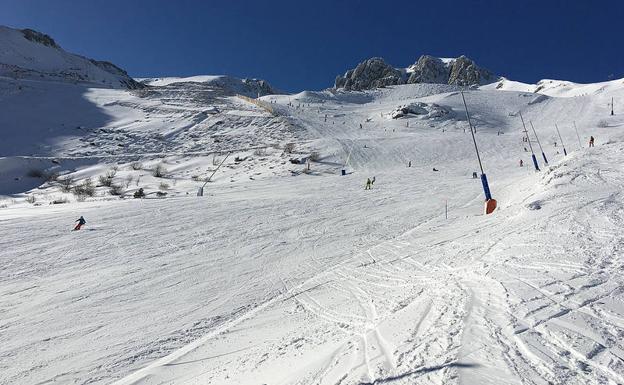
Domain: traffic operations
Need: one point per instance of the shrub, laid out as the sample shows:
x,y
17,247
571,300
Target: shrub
x,y
52,176
163,186
159,171
35,173
85,189
116,189
136,166
105,181
31,199
66,183
289,148
129,180
314,156
259,152
603,123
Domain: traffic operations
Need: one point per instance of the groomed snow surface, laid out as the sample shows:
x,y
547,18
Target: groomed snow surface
x,y
277,276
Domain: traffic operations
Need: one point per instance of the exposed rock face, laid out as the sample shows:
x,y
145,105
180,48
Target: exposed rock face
x,y
375,72
372,73
429,69
464,72
39,37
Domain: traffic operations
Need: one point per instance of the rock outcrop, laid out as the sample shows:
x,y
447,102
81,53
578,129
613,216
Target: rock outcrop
x,y
375,73
371,73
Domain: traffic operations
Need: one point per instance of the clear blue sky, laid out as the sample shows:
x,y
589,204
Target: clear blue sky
x,y
298,45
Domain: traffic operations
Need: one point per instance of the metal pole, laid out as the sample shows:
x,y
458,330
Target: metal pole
x,y
215,171
538,143
526,132
577,135
472,132
484,181
565,153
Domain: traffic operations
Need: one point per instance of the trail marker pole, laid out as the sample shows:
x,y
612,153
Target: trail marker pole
x,y
490,203
530,145
446,209
538,143
577,135
565,153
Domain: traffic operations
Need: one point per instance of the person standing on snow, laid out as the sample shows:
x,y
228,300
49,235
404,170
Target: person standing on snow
x,y
372,181
521,163
591,141
81,221
368,184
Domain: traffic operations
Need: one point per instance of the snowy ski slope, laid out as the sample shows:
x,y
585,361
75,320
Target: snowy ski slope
x,y
306,278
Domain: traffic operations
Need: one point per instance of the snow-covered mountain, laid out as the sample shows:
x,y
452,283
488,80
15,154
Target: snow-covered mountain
x,y
375,72
287,271
226,84
28,54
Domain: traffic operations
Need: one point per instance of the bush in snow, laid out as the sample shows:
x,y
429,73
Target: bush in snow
x,y
116,189
602,123
163,186
31,199
129,180
66,183
136,166
159,171
84,189
289,148
314,156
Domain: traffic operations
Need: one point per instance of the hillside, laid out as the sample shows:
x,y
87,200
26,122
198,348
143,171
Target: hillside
x,y
288,272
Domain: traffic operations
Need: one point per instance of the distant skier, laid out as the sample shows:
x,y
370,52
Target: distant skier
x,y
474,175
521,163
368,184
372,181
81,221
409,164
591,141
360,126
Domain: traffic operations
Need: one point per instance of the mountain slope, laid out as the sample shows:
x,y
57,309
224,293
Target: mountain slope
x,y
28,54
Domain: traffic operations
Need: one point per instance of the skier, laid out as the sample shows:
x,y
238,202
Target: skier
x,y
521,163
591,141
368,184
372,181
474,175
360,126
81,221
409,164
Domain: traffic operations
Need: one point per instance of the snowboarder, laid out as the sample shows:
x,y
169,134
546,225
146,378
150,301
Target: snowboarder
x,y
81,221
368,184
521,163
591,141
